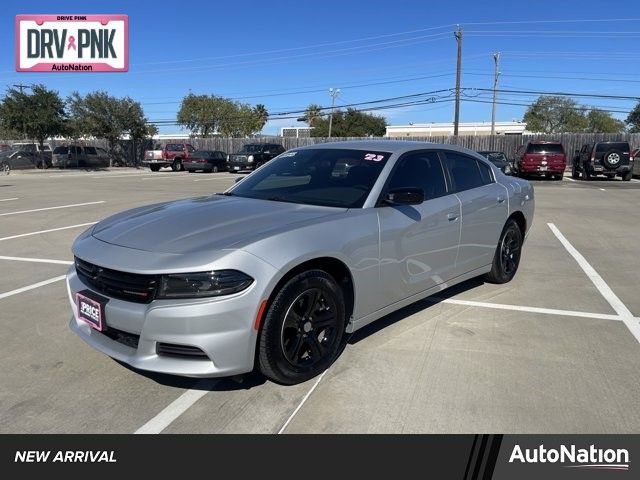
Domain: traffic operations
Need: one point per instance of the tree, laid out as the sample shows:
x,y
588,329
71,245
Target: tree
x,y
633,120
350,123
312,114
100,115
600,121
208,114
38,115
551,114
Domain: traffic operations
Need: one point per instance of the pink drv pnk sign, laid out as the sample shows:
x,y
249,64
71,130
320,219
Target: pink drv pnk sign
x,y
72,43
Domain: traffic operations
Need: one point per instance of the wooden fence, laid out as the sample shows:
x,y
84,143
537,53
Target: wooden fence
x,y
132,152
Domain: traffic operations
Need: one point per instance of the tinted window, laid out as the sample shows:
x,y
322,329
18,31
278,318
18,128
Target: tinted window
x,y
465,173
174,147
75,150
61,150
605,147
252,148
190,148
90,150
545,148
485,173
421,170
307,176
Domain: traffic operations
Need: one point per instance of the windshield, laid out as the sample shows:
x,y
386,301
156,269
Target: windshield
x,y
605,147
251,149
61,150
494,156
328,177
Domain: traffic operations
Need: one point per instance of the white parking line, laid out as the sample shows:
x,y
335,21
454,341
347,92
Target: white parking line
x,y
31,287
176,408
625,314
51,208
122,175
635,180
302,402
602,189
37,260
519,308
569,178
47,231
8,199
210,178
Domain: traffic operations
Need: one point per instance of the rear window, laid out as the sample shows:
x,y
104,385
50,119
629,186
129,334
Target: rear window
x,y
90,150
61,150
545,148
174,147
605,147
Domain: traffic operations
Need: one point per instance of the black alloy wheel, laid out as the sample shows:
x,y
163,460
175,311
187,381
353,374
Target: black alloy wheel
x,y
507,255
303,330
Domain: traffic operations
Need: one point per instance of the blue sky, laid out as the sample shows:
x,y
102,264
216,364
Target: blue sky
x,y
286,54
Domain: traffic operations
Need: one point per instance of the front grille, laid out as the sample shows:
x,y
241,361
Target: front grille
x,y
238,158
122,285
174,350
120,336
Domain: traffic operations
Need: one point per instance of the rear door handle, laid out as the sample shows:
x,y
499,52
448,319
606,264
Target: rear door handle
x,y
452,216
500,199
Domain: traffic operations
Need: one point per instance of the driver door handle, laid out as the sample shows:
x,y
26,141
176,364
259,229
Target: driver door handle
x,y
500,199
452,216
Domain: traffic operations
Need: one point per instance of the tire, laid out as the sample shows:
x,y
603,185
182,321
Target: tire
x,y
214,169
191,171
585,174
292,347
5,168
154,168
557,176
574,172
626,177
612,158
177,165
507,256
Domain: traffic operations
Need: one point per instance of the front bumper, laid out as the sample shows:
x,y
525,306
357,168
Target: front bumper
x,y
239,166
221,327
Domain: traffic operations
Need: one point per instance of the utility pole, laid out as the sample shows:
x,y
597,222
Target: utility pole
x,y
496,76
333,93
456,119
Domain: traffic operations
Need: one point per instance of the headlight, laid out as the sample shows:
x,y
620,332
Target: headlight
x,y
250,158
203,284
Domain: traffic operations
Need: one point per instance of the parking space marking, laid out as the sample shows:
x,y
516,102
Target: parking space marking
x,y
621,309
51,208
122,175
569,178
36,260
32,287
302,402
176,408
602,189
212,178
635,180
520,308
47,231
8,199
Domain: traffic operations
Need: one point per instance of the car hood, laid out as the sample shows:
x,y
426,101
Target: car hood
x,y
212,223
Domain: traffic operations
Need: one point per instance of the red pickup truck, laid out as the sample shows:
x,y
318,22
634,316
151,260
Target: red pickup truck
x,y
172,155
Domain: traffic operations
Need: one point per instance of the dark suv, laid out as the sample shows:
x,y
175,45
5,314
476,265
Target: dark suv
x,y
253,155
603,158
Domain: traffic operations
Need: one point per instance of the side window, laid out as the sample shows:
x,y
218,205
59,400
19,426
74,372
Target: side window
x,y
190,149
485,173
422,170
465,172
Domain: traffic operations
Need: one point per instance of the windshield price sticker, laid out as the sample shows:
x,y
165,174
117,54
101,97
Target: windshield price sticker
x,y
373,157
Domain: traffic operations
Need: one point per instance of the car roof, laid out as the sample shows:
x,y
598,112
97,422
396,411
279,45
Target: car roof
x,y
545,141
392,146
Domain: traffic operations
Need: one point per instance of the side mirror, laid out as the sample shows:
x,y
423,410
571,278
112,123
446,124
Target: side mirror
x,y
404,196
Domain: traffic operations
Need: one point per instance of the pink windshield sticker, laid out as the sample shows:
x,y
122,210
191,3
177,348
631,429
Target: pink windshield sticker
x,y
374,157
72,43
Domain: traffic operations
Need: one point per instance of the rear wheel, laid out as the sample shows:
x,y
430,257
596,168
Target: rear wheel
x,y
5,168
154,168
303,330
214,169
585,174
626,177
574,172
177,166
507,256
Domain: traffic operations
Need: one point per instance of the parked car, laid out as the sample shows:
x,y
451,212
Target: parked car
x,y
172,155
636,161
253,155
282,266
4,146
206,160
499,159
603,158
80,156
541,158
16,159
44,152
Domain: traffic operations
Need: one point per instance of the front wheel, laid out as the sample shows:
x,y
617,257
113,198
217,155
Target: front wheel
x,y
574,172
5,168
214,169
507,256
303,330
177,166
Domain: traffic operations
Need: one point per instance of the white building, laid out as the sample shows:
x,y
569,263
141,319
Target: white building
x,y
438,129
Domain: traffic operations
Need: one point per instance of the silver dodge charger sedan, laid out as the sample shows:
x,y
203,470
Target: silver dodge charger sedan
x,y
278,270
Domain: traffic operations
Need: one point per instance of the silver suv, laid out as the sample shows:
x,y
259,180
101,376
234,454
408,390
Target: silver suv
x,y
80,156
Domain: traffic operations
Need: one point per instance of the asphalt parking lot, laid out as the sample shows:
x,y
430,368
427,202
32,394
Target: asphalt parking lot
x,y
556,350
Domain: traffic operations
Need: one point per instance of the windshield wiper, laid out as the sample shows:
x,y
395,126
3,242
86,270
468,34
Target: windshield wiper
x,y
226,194
281,199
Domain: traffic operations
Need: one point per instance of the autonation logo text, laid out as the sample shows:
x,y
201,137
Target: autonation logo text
x,y
574,457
